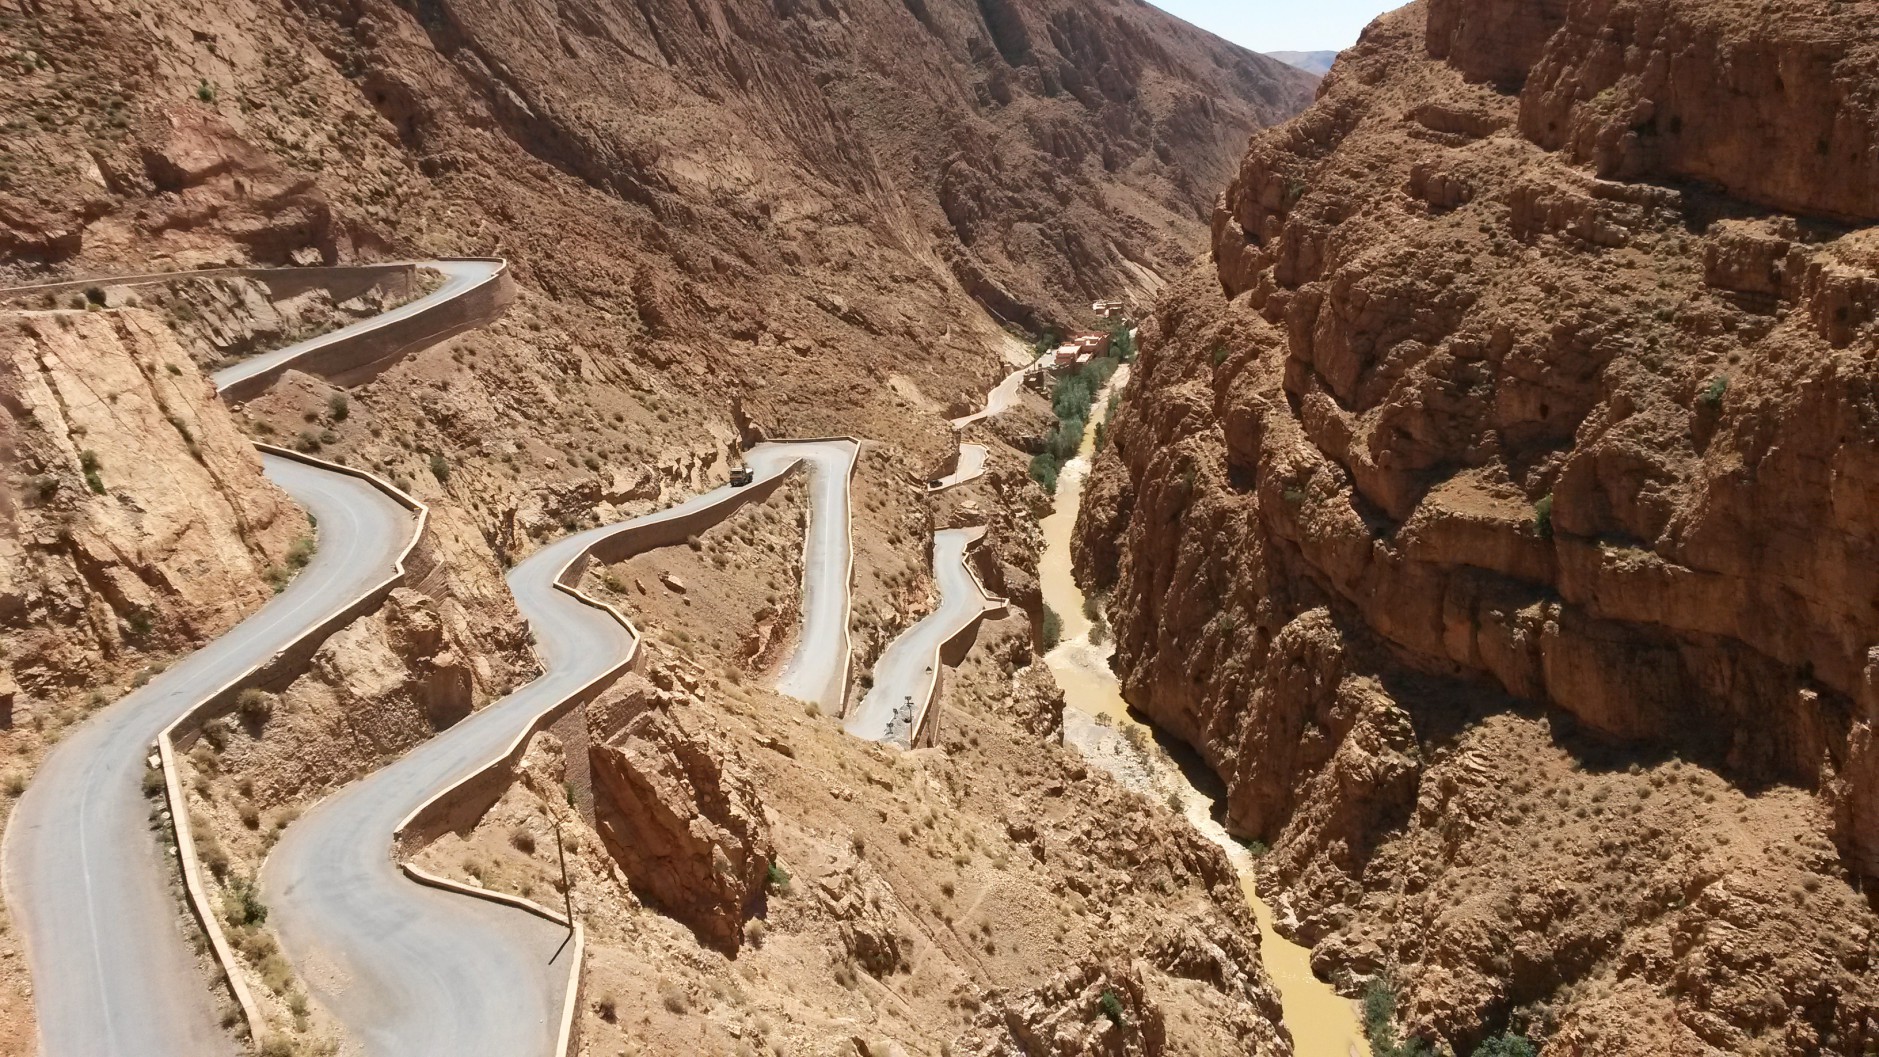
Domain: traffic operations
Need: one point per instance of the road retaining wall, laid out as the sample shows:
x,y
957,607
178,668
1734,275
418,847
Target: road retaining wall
x,y
273,670
952,650
357,357
345,281
458,808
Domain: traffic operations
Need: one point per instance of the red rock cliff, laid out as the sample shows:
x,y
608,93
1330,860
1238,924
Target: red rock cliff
x,y
1526,429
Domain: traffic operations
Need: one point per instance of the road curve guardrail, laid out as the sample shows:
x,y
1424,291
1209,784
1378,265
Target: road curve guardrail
x,y
898,706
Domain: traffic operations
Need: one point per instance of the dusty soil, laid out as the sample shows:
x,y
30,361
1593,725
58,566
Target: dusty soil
x,y
1493,515
976,892
737,594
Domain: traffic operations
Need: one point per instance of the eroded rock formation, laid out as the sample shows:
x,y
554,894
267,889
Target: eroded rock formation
x,y
1528,408
1088,1010
678,811
134,517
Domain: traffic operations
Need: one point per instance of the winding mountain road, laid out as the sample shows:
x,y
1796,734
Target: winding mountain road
x,y
906,677
407,969
1003,395
818,670
113,975
414,970
971,467
461,275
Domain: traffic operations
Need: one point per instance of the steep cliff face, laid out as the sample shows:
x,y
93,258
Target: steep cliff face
x,y
134,519
1517,453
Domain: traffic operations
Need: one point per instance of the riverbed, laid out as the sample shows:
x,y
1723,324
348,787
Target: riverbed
x,y
1097,721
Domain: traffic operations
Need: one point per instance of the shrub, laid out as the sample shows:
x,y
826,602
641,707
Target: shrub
x,y
1506,1044
1051,630
1218,353
153,781
522,840
440,469
754,931
300,552
1713,392
276,973
1044,468
777,878
1380,1024
1112,1006
14,783
94,294
306,442
608,1007
1543,516
205,91
1067,438
88,461
255,705
242,905
338,406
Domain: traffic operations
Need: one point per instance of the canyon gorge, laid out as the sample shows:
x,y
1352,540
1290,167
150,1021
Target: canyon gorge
x,y
1452,628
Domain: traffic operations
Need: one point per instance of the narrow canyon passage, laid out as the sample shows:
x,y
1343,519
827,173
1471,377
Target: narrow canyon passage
x,y
1097,722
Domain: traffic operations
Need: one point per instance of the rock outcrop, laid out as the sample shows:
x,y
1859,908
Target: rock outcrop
x,y
374,689
1088,1010
678,812
1533,379
135,518
861,903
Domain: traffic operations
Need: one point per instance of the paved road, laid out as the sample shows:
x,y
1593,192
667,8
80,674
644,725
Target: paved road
x,y
818,671
971,466
460,277
113,975
1002,396
413,970
903,678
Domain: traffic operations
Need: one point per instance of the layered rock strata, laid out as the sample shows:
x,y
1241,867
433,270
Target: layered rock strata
x,y
1532,384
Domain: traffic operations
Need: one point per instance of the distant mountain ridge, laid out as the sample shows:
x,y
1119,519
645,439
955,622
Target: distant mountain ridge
x,y
1318,62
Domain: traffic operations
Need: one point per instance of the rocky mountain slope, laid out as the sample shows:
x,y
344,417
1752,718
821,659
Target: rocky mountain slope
x,y
818,215
723,216
1499,516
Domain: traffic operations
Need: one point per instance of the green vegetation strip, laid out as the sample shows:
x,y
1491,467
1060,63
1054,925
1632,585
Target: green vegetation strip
x,y
1071,398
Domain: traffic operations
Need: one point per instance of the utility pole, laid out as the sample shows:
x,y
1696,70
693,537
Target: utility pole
x,y
567,886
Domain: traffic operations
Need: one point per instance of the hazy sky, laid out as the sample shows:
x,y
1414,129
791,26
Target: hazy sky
x,y
1282,25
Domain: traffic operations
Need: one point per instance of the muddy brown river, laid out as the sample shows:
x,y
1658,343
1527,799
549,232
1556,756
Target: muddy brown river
x,y
1098,722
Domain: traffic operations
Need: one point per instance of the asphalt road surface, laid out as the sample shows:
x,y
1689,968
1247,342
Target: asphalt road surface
x,y
414,970
460,277
818,670
113,973
904,676
971,466
1002,396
